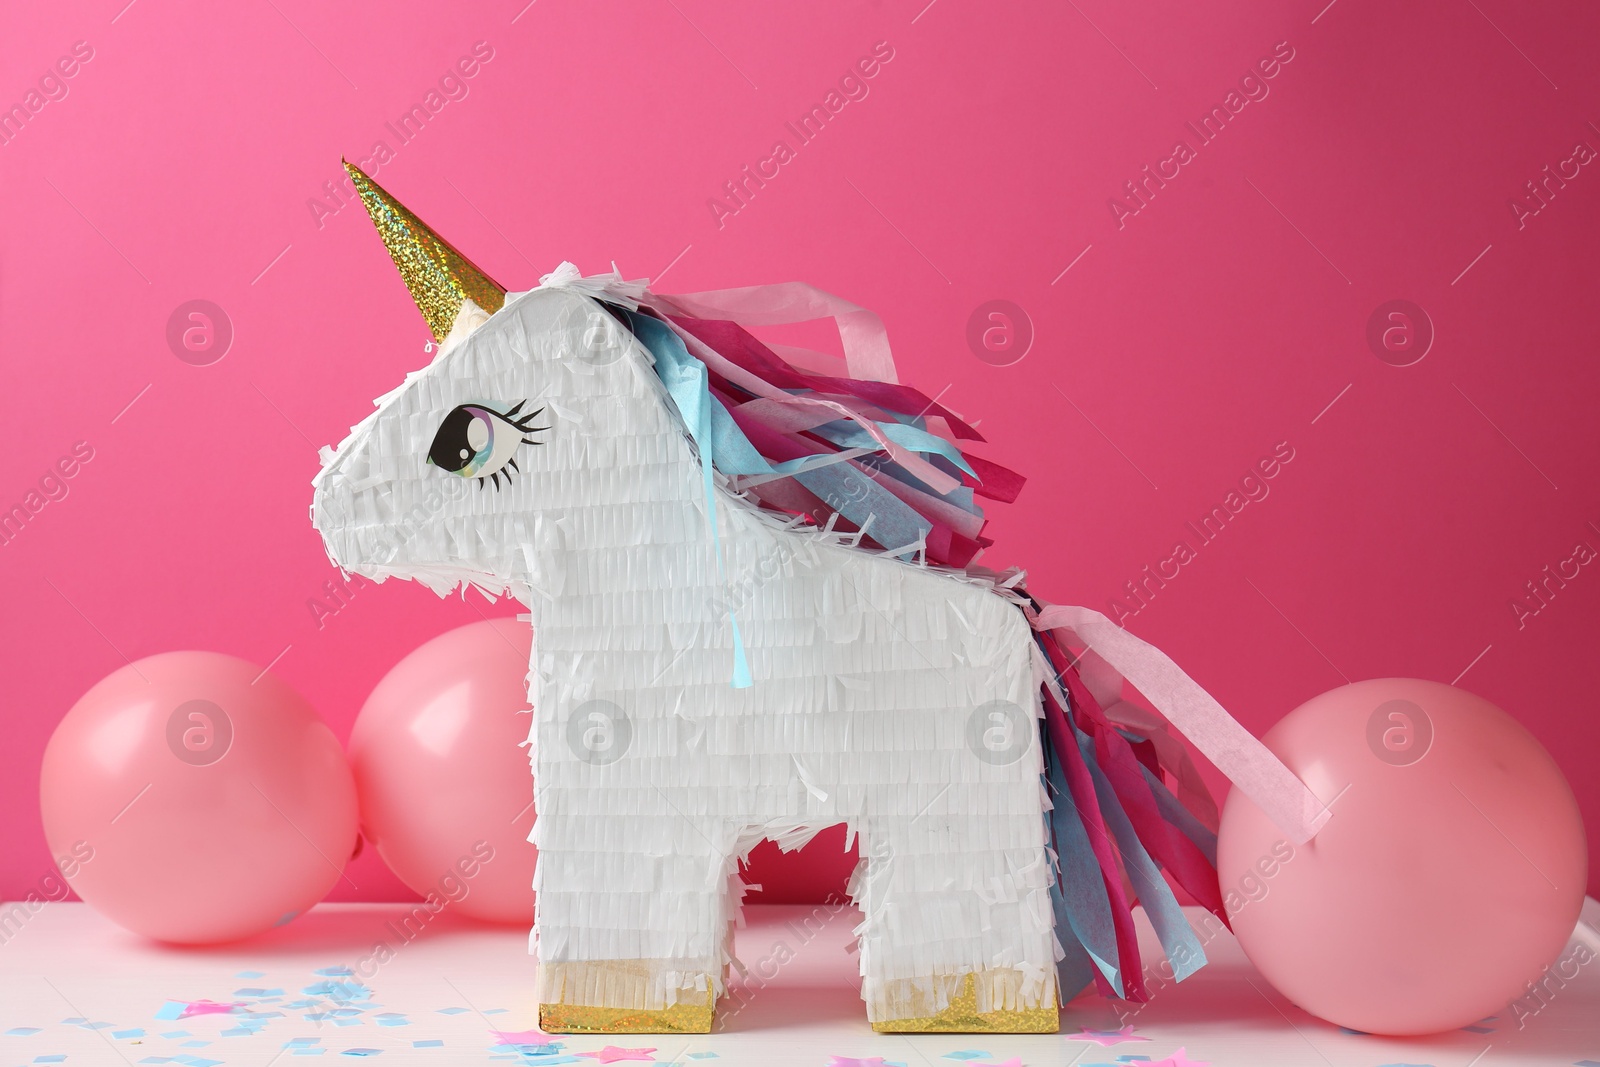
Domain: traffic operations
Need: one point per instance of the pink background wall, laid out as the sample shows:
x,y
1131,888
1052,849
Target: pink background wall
x,y
1173,347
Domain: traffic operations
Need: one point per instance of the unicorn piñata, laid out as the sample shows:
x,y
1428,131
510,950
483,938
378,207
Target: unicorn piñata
x,y
757,614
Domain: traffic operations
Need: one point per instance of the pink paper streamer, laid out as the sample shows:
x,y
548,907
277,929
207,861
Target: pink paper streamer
x,y
866,343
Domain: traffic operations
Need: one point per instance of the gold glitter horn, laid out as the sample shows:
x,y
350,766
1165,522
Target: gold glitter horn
x,y
439,277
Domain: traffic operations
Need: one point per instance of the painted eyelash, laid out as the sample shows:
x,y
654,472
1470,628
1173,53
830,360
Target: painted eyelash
x,y
467,444
521,423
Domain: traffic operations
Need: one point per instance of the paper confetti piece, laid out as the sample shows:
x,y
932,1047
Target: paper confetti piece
x,y
206,1007
450,1011
338,989
54,1057
1180,1059
1106,1037
430,1042
136,1032
525,1037
703,1055
22,1031
362,1052
335,972
611,1054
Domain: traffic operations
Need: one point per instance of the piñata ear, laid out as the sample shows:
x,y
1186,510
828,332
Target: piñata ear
x,y
439,277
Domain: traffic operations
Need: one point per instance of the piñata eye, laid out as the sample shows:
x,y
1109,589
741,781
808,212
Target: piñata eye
x,y
479,442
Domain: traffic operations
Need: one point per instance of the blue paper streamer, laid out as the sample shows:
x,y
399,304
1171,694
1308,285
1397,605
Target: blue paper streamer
x,y
688,382
1079,896
1177,937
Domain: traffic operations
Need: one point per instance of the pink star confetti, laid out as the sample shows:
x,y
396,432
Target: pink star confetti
x,y
1107,1037
846,1061
206,1007
1179,1059
523,1037
611,1053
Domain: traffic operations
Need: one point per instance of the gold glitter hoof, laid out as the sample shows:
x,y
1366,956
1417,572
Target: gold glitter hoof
x,y
614,998
961,1015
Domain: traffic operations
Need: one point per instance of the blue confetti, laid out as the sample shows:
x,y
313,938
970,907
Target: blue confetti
x,y
136,1032
431,1042
338,990
22,1031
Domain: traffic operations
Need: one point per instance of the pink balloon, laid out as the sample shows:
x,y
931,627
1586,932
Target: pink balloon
x,y
445,786
1449,876
197,799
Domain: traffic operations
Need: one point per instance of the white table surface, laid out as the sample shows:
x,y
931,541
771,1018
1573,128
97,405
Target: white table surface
x,y
67,964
